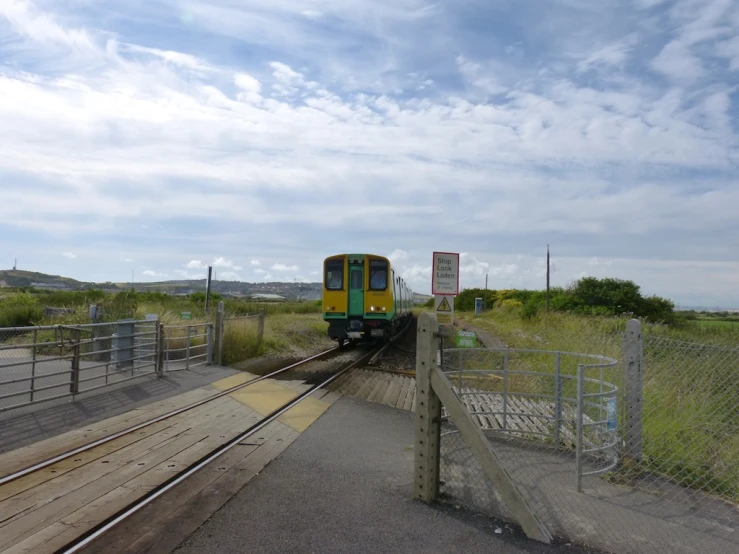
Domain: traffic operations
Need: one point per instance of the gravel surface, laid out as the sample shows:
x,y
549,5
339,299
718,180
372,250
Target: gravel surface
x,y
345,485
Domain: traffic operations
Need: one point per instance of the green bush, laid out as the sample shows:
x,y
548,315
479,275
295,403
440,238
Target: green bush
x,y
20,310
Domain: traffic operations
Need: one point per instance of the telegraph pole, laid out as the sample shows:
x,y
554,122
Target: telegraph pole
x,y
207,291
485,301
547,278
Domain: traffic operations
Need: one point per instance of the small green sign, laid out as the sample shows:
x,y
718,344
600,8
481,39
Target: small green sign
x,y
186,315
466,339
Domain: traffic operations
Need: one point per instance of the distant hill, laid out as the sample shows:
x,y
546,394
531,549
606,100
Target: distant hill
x,y
236,289
18,278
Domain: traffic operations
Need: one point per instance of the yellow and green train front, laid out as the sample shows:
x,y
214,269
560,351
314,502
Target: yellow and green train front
x,y
358,297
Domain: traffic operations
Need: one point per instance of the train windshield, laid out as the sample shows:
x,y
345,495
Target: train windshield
x,y
378,275
334,278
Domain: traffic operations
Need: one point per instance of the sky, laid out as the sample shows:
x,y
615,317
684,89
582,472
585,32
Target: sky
x,y
159,137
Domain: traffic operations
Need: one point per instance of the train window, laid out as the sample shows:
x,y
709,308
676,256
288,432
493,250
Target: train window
x,y
378,275
334,274
356,278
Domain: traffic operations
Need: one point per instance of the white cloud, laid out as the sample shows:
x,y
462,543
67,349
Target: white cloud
x,y
196,264
283,267
312,14
604,133
127,260
260,271
152,273
70,255
223,262
247,83
397,255
256,262
230,276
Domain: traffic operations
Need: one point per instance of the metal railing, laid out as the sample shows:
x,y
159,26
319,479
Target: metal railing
x,y
553,397
39,364
188,346
43,363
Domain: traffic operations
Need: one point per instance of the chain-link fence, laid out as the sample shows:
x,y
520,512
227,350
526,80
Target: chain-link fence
x,y
640,455
44,363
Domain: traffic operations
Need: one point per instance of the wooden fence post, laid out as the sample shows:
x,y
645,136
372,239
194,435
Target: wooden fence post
x,y
428,411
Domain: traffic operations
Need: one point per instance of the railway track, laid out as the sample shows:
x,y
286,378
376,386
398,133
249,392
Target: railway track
x,y
30,521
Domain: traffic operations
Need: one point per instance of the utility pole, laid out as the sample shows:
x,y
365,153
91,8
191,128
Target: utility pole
x,y
485,297
15,264
547,278
207,290
132,287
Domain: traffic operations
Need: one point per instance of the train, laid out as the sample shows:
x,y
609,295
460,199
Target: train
x,y
364,298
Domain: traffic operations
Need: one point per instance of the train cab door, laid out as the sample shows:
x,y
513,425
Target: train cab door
x,y
356,289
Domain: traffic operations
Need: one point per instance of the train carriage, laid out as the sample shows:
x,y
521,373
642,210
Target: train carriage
x,y
364,298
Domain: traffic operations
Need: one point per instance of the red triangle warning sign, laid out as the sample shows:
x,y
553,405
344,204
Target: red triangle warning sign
x,y
444,306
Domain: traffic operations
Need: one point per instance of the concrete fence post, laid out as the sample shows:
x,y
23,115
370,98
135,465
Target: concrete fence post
x,y
632,389
220,328
428,411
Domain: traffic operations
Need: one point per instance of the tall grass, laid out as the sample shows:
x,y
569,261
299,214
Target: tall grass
x,y
294,334
690,388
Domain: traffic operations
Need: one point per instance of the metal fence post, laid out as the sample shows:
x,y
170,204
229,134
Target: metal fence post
x,y
187,349
260,328
632,389
220,328
160,349
557,397
74,385
209,348
580,408
33,363
505,390
428,411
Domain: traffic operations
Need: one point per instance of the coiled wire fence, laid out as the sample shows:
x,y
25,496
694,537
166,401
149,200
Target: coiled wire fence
x,y
635,451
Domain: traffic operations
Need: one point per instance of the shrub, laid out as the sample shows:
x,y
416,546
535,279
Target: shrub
x,y
20,310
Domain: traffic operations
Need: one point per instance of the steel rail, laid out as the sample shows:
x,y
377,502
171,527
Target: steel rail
x,y
390,342
88,446
115,519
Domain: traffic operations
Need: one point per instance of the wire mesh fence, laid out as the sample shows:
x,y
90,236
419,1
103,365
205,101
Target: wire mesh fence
x,y
44,363
633,448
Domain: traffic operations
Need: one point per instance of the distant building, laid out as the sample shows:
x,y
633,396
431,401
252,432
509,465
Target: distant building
x,y
51,286
265,296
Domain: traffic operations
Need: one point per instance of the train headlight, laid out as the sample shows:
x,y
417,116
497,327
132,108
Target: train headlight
x,y
372,308
384,308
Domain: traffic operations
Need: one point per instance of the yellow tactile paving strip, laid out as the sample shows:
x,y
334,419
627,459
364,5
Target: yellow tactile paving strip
x,y
268,395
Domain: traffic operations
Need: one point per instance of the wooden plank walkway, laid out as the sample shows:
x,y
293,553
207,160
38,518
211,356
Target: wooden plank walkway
x,y
43,511
528,417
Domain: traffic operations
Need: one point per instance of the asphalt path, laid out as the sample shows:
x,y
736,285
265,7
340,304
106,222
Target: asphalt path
x,y
345,485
